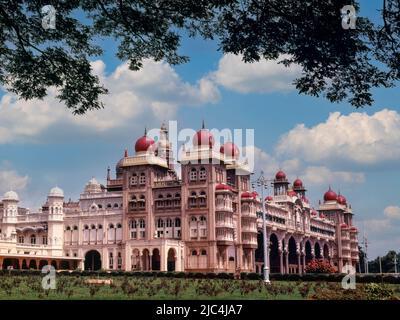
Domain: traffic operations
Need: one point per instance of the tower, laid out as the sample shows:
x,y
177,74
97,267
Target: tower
x,y
164,147
10,210
280,183
55,230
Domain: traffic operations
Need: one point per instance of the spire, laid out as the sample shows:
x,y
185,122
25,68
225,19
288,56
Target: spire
x,y
108,173
145,131
203,126
126,153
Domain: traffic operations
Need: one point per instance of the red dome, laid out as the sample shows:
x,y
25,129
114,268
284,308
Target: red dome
x,y
322,216
330,195
280,175
269,198
341,199
343,226
203,137
247,194
223,186
292,193
313,212
229,149
297,183
143,143
353,229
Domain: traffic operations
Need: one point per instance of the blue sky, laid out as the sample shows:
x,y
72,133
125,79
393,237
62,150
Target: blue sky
x,y
42,146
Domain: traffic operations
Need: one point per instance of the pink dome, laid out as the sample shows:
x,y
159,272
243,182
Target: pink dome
x,y
143,143
269,198
343,226
298,183
341,199
229,149
280,175
353,229
330,195
313,212
203,137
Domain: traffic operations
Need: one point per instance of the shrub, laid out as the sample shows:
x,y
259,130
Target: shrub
x,y
375,291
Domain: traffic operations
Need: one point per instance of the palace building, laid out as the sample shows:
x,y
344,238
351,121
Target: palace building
x,y
207,219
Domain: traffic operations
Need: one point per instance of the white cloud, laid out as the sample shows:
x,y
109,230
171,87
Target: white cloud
x,y
321,175
357,138
11,180
156,88
260,77
311,175
392,212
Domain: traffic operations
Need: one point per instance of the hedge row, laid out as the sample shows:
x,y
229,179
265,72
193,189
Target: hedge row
x,y
334,277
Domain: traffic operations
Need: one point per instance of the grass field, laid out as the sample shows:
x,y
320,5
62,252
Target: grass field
x,y
123,288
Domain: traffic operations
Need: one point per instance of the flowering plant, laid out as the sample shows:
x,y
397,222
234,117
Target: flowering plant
x,y
319,266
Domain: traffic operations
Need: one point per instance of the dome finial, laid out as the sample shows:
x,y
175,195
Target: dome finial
x,y
145,131
203,126
126,153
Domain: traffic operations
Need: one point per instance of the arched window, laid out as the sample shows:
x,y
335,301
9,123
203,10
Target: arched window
x,y
194,253
109,205
142,223
75,227
193,174
86,227
134,179
100,206
133,224
110,226
142,178
203,218
193,199
116,205
33,239
99,226
119,226
193,219
203,252
68,228
93,226
202,198
169,223
177,195
177,222
203,174
160,223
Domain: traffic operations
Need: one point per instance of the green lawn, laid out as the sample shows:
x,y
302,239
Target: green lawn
x,y
122,288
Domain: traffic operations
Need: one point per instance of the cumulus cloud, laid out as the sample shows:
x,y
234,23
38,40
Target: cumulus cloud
x,y
11,180
156,88
392,212
260,77
311,175
356,138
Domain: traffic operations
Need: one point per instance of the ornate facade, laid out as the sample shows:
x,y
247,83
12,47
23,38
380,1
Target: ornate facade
x,y
206,220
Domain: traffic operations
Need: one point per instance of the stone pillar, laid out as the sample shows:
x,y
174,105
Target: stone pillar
x,y
140,266
281,262
304,262
150,260
287,261
298,262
